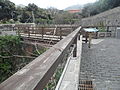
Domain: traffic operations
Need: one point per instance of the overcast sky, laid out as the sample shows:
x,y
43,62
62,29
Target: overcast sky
x,y
60,4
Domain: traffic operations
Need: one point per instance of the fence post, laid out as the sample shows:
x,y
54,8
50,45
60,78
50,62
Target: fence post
x,y
75,49
28,32
90,38
107,28
79,36
60,33
86,37
42,32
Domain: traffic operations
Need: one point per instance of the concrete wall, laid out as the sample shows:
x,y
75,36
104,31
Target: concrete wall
x,y
8,29
108,19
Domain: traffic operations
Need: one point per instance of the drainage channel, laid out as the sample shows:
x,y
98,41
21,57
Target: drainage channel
x,y
85,85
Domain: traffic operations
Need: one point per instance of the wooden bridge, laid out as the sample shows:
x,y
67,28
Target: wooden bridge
x,y
46,34
97,68
64,56
39,72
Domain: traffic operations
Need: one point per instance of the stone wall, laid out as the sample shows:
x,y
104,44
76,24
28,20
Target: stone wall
x,y
110,20
107,18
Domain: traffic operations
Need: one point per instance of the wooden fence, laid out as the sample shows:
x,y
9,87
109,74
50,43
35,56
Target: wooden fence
x,y
38,30
57,31
36,74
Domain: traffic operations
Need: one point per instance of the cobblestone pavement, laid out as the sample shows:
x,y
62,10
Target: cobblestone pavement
x,y
101,64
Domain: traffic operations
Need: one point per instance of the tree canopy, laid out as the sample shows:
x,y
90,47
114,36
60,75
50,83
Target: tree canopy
x,y
99,6
11,13
6,9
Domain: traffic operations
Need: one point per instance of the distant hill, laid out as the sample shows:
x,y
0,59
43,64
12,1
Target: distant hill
x,y
21,5
74,7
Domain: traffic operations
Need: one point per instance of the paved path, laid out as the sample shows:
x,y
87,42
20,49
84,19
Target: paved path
x,y
70,76
101,63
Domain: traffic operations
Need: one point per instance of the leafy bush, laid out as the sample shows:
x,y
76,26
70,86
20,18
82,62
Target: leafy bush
x,y
8,46
9,64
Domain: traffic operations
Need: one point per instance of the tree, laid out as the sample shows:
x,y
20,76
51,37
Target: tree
x,y
64,17
6,9
99,6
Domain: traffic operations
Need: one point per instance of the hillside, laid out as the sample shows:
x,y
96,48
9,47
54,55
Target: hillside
x,y
74,7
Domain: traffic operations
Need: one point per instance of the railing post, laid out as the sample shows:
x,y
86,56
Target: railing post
x,y
86,37
28,31
42,32
79,36
75,49
73,28
96,35
60,33
90,38
18,31
115,31
39,30
107,28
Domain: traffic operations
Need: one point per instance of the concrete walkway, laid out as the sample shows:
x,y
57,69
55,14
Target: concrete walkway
x,y
69,79
101,64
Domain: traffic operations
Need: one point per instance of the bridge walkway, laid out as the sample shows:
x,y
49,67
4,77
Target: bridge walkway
x,y
70,76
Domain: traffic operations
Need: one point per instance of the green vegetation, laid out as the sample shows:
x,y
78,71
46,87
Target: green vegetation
x,y
8,46
54,80
6,8
58,72
101,29
99,6
6,42
14,56
10,13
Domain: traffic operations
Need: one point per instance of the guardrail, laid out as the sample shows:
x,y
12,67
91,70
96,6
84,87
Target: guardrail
x,y
40,31
104,34
45,31
36,74
110,30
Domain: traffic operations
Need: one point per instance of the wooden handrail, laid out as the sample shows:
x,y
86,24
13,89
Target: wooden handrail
x,y
92,26
36,74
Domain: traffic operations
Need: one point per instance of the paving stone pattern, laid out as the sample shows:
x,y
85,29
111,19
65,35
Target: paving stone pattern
x,y
101,64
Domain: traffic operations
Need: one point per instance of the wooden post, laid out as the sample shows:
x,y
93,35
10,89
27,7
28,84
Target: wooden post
x,y
96,35
39,30
13,28
79,36
107,28
42,32
75,49
73,28
18,31
115,31
28,32
60,33
90,38
86,37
